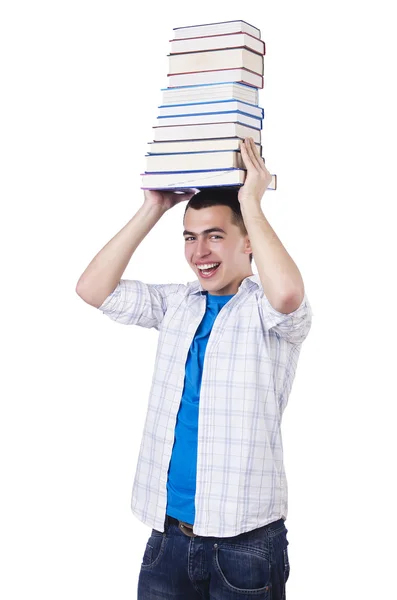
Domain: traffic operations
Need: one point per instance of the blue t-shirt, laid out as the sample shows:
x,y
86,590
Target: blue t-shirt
x,y
181,483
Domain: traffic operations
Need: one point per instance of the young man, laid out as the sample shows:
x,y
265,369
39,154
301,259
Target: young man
x,y
210,479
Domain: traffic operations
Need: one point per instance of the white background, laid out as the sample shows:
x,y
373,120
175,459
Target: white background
x,y
81,84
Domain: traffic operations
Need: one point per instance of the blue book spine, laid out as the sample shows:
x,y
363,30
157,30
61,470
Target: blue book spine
x,y
213,102
197,171
221,112
256,126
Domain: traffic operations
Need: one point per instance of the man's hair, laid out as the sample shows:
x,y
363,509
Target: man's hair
x,y
220,196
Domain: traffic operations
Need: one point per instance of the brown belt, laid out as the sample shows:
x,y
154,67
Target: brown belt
x,y
186,528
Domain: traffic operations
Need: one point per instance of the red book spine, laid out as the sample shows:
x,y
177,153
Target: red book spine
x,y
214,70
221,35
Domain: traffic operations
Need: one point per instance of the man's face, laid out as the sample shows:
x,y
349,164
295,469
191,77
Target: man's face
x,y
211,237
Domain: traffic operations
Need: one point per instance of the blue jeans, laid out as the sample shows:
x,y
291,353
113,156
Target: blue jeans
x,y
253,564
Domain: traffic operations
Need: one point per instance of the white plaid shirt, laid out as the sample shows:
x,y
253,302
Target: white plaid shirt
x,y
249,367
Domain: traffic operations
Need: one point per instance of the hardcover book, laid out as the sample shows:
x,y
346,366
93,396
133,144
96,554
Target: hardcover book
x,y
214,60
208,92
199,179
194,108
217,117
238,75
194,161
215,29
218,42
187,146
205,131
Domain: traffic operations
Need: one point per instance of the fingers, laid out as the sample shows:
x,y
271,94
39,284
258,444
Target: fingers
x,y
245,155
256,157
251,155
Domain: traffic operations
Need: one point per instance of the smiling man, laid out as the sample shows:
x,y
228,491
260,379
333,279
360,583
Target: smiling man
x,y
219,255
210,479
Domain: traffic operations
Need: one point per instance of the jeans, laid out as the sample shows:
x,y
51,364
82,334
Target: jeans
x,y
253,564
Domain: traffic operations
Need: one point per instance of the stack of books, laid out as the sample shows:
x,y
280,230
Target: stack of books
x,y
208,108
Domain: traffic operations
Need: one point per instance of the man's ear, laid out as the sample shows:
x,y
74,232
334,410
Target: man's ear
x,y
248,249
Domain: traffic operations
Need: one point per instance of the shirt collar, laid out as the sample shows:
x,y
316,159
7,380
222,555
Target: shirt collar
x,y
195,287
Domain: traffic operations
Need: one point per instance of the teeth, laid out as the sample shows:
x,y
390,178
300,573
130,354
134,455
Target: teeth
x,y
208,266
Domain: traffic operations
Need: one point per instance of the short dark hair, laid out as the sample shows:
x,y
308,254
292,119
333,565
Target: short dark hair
x,y
220,196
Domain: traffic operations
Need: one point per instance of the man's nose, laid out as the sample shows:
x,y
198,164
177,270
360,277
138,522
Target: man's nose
x,y
202,247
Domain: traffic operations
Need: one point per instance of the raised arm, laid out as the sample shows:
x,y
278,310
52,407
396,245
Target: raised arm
x,y
105,270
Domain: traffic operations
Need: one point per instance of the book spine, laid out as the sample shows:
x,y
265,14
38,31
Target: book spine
x,y
192,27
221,35
197,105
257,125
243,46
201,85
241,80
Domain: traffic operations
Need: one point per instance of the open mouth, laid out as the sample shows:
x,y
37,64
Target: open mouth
x,y
209,270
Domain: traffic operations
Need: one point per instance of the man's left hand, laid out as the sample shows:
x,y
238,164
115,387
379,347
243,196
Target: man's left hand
x,y
257,178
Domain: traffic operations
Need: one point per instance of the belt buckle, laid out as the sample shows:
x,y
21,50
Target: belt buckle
x,y
186,528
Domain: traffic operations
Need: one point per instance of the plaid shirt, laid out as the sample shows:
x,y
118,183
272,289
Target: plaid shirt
x,y
249,368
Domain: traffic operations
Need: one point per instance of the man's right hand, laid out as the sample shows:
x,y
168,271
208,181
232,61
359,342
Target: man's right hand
x,y
106,268
167,199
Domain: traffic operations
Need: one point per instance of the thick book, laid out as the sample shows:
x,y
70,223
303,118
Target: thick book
x,y
194,161
218,42
193,31
187,146
208,92
194,108
197,180
236,75
204,118
200,132
231,58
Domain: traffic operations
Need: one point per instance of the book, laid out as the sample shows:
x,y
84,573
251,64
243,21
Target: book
x,y
208,92
209,107
187,146
217,117
218,42
194,161
238,75
198,179
193,31
205,131
214,60
181,110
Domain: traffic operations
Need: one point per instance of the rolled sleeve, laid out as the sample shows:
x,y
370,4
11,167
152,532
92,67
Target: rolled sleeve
x,y
293,327
136,303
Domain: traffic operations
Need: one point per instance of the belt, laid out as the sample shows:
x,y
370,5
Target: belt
x,y
186,528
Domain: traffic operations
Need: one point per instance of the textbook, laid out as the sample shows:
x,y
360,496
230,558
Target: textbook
x,y
239,75
218,42
193,31
208,92
187,146
194,108
217,117
205,131
180,181
231,58
194,161
209,107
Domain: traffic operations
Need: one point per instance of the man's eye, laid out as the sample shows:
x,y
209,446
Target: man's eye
x,y
187,239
